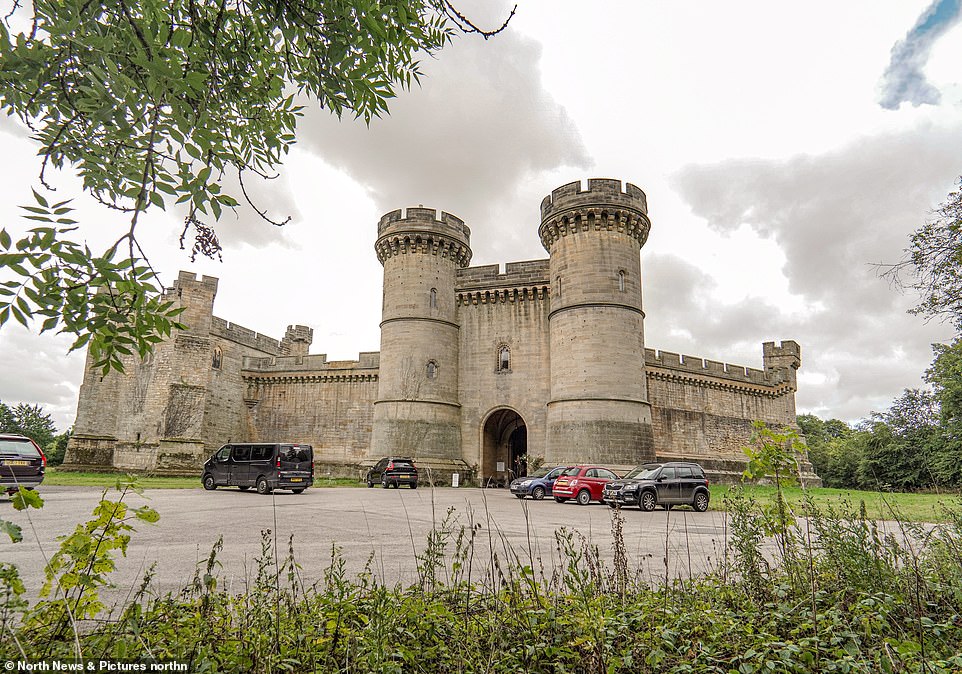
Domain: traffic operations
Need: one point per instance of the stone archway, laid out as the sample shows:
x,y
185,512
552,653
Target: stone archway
x,y
504,449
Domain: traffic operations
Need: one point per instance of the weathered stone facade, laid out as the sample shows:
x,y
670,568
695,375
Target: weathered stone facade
x,y
478,370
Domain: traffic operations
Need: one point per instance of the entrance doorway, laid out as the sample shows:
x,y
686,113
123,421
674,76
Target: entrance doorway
x,y
504,451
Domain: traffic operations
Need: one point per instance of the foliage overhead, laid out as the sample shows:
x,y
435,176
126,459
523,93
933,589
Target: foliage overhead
x,y
155,104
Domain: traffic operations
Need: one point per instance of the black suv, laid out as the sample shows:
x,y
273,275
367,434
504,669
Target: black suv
x,y
664,484
22,463
393,471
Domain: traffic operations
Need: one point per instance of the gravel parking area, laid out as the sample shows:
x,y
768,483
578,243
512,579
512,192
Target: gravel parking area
x,y
383,528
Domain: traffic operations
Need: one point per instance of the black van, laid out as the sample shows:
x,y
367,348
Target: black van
x,y
265,465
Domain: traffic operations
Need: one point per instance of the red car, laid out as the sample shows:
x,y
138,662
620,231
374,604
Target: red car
x,y
583,483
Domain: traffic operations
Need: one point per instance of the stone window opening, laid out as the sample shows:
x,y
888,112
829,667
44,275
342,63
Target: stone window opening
x,y
504,358
621,280
432,370
434,298
557,286
217,358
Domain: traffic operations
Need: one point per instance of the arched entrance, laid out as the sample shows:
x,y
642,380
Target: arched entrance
x,y
504,449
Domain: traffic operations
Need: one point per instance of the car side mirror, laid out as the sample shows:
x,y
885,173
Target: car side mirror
x,y
660,479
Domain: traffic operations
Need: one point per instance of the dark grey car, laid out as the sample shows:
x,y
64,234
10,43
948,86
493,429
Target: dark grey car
x,y
22,463
664,484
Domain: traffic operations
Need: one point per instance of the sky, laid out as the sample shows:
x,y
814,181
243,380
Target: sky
x,y
785,149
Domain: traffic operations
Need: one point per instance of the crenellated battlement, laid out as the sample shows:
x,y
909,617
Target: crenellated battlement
x,y
604,205
770,377
188,277
416,218
515,274
245,336
601,191
317,363
423,230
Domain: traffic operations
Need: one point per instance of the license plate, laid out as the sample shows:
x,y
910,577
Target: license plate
x,y
16,463
296,479
403,476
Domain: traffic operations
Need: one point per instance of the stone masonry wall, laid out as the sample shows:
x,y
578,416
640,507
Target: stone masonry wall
x,y
495,310
328,405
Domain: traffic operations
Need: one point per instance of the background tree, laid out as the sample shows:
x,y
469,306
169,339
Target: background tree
x,y
932,265
29,420
154,103
945,376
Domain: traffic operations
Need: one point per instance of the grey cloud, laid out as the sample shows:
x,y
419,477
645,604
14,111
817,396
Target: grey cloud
x,y
833,215
467,141
904,79
41,374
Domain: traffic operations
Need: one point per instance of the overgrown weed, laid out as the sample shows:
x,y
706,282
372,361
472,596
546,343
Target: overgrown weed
x,y
822,589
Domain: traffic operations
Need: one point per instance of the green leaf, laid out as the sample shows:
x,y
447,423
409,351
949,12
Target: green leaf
x,y
26,498
12,530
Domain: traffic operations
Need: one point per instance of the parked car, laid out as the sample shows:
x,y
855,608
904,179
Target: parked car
x,y
22,463
664,484
538,484
583,483
393,471
264,465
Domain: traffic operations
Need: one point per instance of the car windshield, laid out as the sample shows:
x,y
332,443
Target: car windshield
x,y
14,447
642,473
541,472
572,472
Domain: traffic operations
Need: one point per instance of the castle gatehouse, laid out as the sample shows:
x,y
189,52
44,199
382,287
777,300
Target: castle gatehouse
x,y
480,371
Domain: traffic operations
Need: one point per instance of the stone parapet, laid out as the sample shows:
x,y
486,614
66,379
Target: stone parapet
x,y
703,372
245,336
315,364
423,230
603,206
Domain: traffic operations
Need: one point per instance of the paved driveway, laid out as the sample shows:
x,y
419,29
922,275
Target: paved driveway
x,y
387,527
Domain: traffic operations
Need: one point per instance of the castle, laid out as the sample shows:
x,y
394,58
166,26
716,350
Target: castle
x,y
479,371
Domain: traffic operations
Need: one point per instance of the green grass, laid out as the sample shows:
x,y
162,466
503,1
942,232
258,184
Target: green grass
x,y
911,507
878,505
83,479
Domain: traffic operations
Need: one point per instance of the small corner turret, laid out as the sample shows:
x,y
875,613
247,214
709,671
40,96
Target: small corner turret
x,y
785,358
297,340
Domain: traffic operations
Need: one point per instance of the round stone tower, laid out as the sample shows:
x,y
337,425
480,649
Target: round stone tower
x,y
417,413
598,411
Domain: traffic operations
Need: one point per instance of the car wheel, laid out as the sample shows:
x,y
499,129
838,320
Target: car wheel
x,y
584,497
384,484
262,486
298,491
244,488
648,501
538,493
370,484
701,502
560,499
209,484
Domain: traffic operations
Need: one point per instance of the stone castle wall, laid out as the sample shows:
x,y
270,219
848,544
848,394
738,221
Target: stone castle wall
x,y
571,327
497,310
329,405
